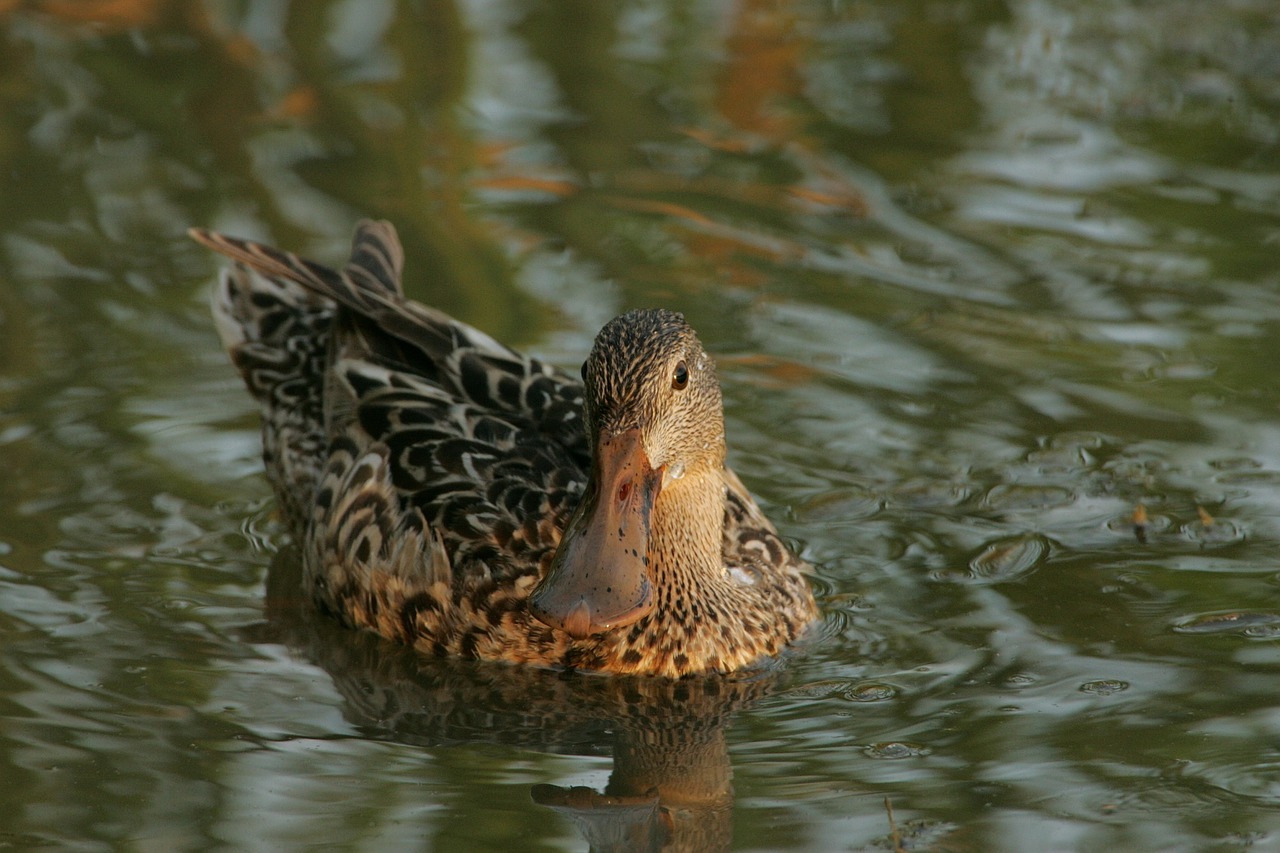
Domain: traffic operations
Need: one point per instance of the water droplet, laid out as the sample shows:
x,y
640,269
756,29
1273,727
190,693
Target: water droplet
x,y
1151,523
1013,496
869,691
896,749
1009,558
819,689
1235,463
1104,686
1211,531
872,692
1247,624
1001,560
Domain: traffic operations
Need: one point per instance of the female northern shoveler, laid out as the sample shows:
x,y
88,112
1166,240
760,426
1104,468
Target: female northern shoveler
x,y
452,494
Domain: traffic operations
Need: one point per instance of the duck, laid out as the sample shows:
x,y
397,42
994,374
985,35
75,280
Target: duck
x,y
454,495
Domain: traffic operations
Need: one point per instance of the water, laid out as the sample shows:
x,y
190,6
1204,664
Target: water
x,y
993,292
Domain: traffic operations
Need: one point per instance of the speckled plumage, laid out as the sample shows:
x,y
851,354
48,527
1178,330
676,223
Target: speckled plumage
x,y
429,472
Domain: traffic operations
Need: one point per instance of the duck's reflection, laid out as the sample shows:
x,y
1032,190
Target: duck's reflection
x,y
671,785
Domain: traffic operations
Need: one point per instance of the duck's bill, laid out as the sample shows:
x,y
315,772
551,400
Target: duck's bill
x,y
599,577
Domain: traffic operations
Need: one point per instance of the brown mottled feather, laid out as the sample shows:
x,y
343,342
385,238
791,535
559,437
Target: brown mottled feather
x,y
428,472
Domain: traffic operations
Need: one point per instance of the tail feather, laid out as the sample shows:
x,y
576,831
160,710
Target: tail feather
x,y
377,258
277,333
370,281
384,324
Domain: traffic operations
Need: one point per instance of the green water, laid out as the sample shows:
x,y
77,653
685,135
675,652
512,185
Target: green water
x,y
987,282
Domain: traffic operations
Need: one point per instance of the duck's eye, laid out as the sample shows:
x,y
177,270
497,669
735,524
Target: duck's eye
x,y
680,379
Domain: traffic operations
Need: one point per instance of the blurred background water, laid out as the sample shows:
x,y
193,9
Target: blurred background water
x,y
993,290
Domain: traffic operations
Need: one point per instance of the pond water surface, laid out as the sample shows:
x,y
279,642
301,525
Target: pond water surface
x,y
994,291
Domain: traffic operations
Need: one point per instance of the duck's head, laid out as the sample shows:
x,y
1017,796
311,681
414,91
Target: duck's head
x,y
655,418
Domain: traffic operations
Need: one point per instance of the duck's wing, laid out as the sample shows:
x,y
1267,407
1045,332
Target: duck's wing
x,y
487,444
751,543
381,325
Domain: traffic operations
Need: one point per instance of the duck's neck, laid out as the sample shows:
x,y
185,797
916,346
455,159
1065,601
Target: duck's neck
x,y
705,619
698,614
686,533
